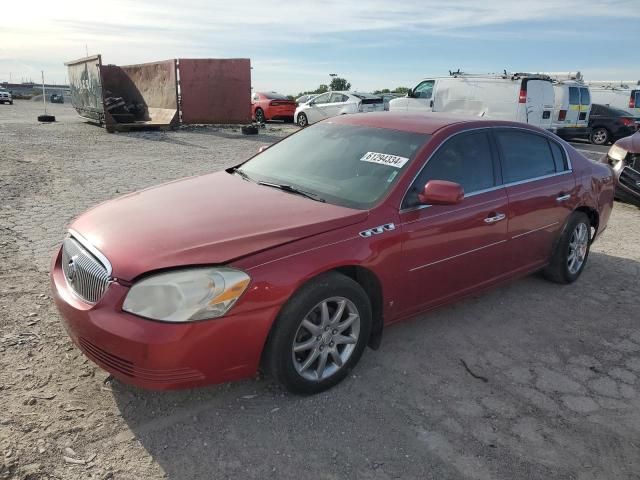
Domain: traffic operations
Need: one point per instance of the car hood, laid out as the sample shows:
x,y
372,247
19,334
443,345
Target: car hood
x,y
630,143
210,219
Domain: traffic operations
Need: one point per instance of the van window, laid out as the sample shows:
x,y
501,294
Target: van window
x,y
585,97
574,96
465,159
524,156
637,98
424,89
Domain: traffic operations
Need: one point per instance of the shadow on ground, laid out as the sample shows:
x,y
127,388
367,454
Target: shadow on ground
x,y
560,400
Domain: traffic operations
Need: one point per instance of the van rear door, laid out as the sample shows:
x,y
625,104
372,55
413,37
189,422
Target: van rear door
x,y
585,107
539,102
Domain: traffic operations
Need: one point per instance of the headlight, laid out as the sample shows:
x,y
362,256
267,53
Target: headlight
x,y
187,295
617,153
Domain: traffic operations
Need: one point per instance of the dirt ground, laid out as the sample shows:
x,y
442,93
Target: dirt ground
x,y
559,396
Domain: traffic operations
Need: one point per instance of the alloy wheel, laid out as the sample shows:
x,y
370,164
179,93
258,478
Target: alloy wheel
x,y
600,136
259,116
578,247
302,120
326,338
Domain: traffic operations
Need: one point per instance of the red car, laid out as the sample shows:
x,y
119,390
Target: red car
x,y
297,259
272,106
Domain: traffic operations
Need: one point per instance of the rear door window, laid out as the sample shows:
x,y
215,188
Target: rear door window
x,y
465,159
585,96
636,93
525,156
574,96
559,157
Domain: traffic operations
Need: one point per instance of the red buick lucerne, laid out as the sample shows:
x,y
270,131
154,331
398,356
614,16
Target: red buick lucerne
x,y
297,259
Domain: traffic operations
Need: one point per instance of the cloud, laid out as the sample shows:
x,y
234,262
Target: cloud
x,y
289,41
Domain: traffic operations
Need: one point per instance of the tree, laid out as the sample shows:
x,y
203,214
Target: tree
x,y
384,90
401,90
339,84
321,89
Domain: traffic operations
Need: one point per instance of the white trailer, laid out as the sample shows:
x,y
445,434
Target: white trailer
x,y
624,95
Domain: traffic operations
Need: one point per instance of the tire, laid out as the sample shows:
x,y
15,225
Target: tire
x,y
571,251
249,130
302,121
310,350
46,118
600,136
259,115
11,102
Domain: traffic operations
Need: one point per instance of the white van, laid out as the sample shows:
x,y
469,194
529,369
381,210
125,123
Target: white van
x,y
572,105
624,95
519,97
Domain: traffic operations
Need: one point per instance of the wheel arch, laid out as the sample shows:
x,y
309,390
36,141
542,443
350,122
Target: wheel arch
x,y
594,216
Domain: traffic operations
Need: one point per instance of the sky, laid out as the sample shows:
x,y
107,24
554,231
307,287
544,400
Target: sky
x,y
295,45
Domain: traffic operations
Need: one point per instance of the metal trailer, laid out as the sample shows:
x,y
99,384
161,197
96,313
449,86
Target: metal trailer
x,y
161,94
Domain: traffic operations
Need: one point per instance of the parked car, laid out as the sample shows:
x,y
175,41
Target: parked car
x,y
331,104
272,106
296,259
305,98
570,118
624,158
518,97
623,95
608,124
387,97
56,98
5,96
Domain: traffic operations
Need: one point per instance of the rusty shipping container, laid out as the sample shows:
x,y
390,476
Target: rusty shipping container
x,y
158,94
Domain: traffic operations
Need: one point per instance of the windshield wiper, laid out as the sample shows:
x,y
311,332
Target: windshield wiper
x,y
290,189
241,173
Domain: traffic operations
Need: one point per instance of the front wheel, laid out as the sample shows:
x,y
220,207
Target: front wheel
x,y
320,334
571,251
302,120
600,136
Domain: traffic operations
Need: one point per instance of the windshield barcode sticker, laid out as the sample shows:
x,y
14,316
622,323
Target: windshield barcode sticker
x,y
385,159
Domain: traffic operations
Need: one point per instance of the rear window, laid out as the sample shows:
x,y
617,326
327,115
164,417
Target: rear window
x,y
585,97
636,93
525,156
275,96
574,96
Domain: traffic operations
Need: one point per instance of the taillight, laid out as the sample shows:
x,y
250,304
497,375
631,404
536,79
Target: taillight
x,y
273,103
627,122
523,94
632,100
562,115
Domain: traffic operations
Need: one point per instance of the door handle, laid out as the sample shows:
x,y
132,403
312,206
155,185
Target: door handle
x,y
563,198
496,218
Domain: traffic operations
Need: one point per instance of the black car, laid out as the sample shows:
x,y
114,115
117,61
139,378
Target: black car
x,y
609,124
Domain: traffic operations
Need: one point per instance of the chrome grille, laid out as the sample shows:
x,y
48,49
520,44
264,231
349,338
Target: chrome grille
x,y
85,274
630,179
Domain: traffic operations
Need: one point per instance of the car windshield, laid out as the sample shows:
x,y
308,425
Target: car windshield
x,y
348,165
275,96
622,113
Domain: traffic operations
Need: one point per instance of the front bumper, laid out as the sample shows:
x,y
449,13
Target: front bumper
x,y
159,355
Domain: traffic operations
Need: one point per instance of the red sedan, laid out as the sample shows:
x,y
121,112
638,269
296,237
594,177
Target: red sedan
x,y
297,259
272,106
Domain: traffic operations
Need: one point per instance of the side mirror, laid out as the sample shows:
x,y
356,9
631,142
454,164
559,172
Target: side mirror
x,y
410,94
441,192
263,148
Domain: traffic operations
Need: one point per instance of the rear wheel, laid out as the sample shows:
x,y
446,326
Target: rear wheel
x,y
259,115
572,250
600,136
320,334
302,120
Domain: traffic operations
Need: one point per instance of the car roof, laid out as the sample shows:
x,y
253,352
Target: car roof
x,y
424,122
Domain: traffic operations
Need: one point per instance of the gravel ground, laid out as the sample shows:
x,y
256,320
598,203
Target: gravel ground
x,y
557,394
